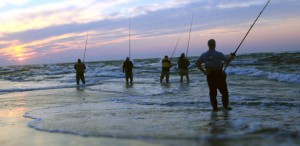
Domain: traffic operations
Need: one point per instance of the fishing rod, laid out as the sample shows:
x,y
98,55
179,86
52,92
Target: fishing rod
x,y
87,37
187,49
248,32
129,38
175,47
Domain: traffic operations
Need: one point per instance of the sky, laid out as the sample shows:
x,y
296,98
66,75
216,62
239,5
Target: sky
x,y
44,31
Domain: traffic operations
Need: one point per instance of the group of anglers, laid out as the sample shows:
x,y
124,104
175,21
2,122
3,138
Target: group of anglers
x,y
183,64
213,69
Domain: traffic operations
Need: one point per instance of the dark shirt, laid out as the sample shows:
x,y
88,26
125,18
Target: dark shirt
x,y
183,63
212,59
79,67
127,66
166,65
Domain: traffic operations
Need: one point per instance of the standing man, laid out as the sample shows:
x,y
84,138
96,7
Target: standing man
x,y
165,69
80,68
127,69
183,64
216,78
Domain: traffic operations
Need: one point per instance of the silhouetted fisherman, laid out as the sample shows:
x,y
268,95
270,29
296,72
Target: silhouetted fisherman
x,y
216,78
165,69
80,68
127,69
183,64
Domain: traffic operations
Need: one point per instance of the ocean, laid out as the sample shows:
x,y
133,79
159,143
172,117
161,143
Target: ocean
x,y
264,91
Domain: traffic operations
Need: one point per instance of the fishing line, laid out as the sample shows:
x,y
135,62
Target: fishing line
x,y
175,47
87,37
248,32
129,38
188,45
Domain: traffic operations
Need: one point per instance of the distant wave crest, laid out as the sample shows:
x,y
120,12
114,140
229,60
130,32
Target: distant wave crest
x,y
281,77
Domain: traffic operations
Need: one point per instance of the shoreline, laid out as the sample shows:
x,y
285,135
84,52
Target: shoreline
x,y
14,126
15,129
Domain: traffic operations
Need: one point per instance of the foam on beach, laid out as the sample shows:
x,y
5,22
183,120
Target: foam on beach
x,y
139,118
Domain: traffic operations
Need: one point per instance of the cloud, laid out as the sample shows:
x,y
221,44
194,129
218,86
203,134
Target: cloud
x,y
3,3
54,14
58,27
63,13
75,12
16,50
238,4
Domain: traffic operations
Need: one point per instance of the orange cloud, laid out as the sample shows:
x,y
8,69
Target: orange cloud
x,y
17,53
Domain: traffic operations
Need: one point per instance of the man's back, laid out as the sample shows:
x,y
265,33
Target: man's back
x,y
127,65
212,59
79,67
183,63
166,64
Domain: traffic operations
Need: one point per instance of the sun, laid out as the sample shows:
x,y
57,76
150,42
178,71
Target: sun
x,y
19,54
21,59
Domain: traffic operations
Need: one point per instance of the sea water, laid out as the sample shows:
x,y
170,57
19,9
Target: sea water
x,y
264,94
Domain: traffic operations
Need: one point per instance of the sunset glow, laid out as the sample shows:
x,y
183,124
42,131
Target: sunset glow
x,y
33,31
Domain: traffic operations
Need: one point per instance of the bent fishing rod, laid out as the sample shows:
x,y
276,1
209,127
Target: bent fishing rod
x,y
248,32
187,49
175,47
87,37
129,37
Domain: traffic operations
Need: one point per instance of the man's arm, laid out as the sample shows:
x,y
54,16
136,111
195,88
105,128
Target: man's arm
x,y
131,65
199,66
230,58
123,67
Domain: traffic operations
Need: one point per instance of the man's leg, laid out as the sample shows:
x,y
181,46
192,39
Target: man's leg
x,y
83,79
167,76
187,77
181,78
131,79
212,92
77,79
224,91
161,76
126,77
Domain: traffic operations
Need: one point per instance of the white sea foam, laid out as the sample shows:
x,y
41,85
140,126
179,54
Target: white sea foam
x,y
108,74
22,89
281,77
9,87
291,78
97,72
250,71
154,117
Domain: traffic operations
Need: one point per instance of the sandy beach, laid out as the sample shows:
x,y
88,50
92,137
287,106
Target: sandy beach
x,y
14,129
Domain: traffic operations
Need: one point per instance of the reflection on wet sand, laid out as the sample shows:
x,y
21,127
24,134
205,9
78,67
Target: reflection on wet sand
x,y
219,122
14,107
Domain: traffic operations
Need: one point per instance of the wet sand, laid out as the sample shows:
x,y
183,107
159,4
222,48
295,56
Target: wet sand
x,y
222,129
14,129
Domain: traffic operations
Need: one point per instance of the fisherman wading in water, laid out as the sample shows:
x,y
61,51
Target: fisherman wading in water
x,y
127,69
183,66
80,68
216,78
165,69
